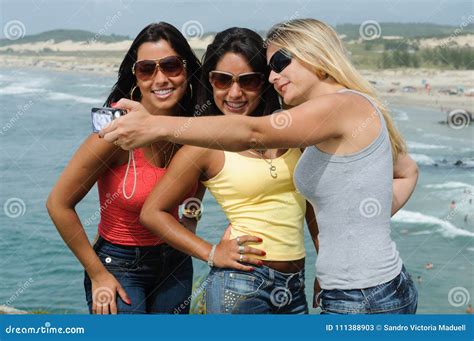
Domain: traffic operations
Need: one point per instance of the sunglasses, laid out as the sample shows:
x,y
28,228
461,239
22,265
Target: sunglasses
x,y
171,66
250,81
280,60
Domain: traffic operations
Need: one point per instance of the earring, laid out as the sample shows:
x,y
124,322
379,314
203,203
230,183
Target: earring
x,y
191,90
321,75
132,91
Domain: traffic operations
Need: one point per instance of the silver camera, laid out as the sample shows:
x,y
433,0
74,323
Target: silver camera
x,y
103,116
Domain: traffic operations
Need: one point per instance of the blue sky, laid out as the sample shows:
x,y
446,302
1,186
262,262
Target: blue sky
x,y
132,15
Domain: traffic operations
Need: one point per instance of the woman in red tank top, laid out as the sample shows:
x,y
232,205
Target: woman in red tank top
x,y
129,269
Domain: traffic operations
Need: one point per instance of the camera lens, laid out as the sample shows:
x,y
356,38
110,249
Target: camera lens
x,y
117,114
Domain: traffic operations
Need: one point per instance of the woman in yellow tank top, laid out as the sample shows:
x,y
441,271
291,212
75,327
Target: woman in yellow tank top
x,y
258,266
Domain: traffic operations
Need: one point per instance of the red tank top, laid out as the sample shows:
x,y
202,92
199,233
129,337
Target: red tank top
x,y
120,217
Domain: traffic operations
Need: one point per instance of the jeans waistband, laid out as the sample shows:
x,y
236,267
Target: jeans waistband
x,y
102,241
273,274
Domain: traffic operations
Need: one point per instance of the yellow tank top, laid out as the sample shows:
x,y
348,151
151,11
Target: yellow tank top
x,y
257,204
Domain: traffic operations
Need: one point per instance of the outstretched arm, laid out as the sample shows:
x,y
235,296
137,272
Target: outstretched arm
x,y
304,125
185,170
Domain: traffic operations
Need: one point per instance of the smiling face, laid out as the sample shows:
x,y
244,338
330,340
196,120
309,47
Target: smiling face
x,y
294,83
160,93
235,100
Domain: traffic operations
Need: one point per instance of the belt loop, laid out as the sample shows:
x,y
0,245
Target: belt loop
x,y
289,279
271,275
137,253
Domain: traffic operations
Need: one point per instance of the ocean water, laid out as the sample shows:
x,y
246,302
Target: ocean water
x,y
44,117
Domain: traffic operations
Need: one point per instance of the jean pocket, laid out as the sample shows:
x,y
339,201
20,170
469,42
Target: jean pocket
x,y
243,284
113,262
239,290
342,301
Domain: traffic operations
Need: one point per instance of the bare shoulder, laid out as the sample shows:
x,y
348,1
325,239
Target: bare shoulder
x,y
97,148
209,161
195,152
350,101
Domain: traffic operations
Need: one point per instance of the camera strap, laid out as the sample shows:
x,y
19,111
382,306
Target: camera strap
x,y
131,158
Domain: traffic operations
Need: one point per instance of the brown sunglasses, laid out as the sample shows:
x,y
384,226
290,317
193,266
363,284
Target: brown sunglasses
x,y
250,81
171,66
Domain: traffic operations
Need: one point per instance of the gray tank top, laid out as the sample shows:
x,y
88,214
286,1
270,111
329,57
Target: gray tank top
x,y
352,198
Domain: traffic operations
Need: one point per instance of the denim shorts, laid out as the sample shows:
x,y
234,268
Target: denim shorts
x,y
262,291
158,279
398,296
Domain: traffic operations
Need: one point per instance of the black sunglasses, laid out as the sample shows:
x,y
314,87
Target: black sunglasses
x,y
250,81
171,66
280,60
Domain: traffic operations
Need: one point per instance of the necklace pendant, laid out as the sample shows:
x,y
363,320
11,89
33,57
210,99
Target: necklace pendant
x,y
273,172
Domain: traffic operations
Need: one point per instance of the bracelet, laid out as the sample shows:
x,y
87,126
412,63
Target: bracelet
x,y
210,260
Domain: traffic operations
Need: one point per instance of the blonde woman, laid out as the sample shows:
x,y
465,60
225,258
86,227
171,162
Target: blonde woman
x,y
354,171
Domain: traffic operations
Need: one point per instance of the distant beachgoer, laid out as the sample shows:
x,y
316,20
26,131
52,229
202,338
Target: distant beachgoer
x,y
469,309
452,206
429,266
419,279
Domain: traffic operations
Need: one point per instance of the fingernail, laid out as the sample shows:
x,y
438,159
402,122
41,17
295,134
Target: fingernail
x,y
113,104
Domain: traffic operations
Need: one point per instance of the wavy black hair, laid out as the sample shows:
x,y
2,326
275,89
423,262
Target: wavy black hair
x,y
248,44
153,33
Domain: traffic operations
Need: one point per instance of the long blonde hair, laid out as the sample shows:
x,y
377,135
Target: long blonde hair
x,y
318,46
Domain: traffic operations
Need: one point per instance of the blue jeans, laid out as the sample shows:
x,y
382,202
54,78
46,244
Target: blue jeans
x,y
157,279
398,296
262,291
